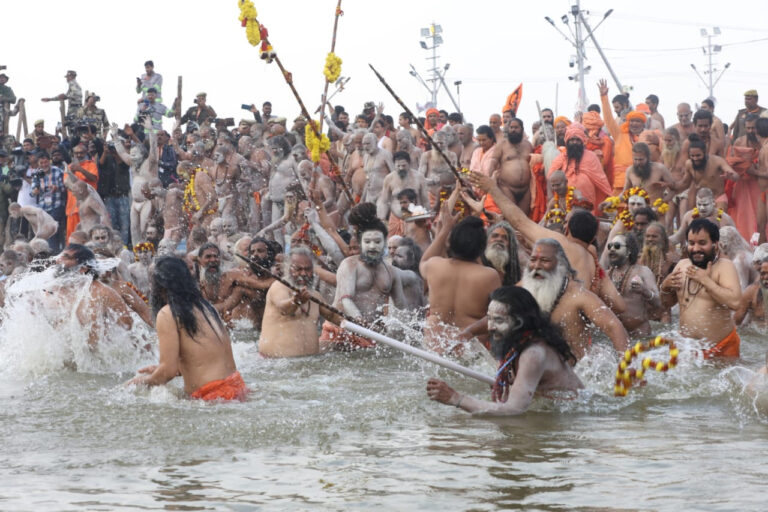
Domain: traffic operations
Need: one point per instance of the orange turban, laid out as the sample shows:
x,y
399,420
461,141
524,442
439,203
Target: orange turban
x,y
642,107
576,130
636,115
592,121
427,124
563,119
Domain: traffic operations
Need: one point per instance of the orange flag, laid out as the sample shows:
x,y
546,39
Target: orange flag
x,y
513,100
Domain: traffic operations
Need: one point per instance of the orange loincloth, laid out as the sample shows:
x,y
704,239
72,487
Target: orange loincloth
x,y
339,339
396,225
728,347
230,388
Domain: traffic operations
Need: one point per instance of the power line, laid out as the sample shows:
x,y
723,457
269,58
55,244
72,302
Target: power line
x,y
689,48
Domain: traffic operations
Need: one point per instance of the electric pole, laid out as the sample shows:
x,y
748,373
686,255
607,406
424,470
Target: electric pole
x,y
709,51
433,34
579,34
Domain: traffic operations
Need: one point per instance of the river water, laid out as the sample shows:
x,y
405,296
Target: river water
x,y
355,431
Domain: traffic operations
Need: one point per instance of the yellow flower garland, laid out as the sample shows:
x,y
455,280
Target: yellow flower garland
x,y
316,146
613,204
143,247
626,376
247,18
569,195
556,215
332,68
696,214
660,206
635,191
191,204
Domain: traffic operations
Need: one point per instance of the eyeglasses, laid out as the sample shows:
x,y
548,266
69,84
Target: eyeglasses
x,y
615,245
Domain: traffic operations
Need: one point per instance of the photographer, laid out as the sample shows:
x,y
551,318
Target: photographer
x,y
167,162
200,113
49,192
149,107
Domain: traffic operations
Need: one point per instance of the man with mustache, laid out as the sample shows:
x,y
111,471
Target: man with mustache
x,y
509,164
364,282
388,206
635,282
501,253
552,282
707,289
703,170
533,357
753,301
657,256
290,318
653,177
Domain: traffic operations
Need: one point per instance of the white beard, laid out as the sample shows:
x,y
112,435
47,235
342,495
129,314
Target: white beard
x,y
497,257
545,291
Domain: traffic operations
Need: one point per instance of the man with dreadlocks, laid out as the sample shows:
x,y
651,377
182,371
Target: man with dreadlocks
x,y
364,282
192,339
533,357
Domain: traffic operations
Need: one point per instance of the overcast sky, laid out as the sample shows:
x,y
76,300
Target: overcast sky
x,y
491,48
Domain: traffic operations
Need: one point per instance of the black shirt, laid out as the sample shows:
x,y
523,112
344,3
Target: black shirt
x,y
114,178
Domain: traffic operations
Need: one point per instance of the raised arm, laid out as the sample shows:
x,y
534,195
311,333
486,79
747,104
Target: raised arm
x,y
121,152
610,122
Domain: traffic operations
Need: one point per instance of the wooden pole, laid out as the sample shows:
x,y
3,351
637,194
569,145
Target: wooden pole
x,y
333,47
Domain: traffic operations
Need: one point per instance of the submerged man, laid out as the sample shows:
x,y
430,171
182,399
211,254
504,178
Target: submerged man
x,y
533,357
192,339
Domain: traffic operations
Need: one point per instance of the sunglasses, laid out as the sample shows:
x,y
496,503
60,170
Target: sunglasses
x,y
615,245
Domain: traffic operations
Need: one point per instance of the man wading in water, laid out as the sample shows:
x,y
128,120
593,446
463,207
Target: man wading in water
x,y
192,339
533,356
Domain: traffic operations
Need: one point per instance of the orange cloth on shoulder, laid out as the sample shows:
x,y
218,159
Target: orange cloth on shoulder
x,y
343,340
728,347
230,388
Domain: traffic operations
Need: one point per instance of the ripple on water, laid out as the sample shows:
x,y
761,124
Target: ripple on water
x,y
355,430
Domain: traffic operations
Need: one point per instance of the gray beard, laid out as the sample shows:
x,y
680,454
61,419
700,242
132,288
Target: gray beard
x,y
210,276
545,291
497,257
371,261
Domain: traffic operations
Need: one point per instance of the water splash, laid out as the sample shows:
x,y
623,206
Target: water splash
x,y
40,332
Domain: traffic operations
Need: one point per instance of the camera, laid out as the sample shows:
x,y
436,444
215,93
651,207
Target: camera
x,y
38,174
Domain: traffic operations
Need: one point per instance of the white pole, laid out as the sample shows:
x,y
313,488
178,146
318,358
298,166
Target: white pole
x,y
429,356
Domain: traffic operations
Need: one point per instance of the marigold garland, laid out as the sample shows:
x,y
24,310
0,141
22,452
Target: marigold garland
x,y
613,204
695,214
626,218
191,204
660,206
569,195
635,191
143,247
556,215
247,19
316,146
626,376
332,68
138,292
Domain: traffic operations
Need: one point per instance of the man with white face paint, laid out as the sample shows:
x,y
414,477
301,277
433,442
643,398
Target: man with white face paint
x,y
364,282
533,357
283,173
230,165
635,282
434,168
388,206
406,143
552,282
377,164
705,209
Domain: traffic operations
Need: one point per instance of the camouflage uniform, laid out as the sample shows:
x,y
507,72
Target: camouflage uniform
x,y
95,116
